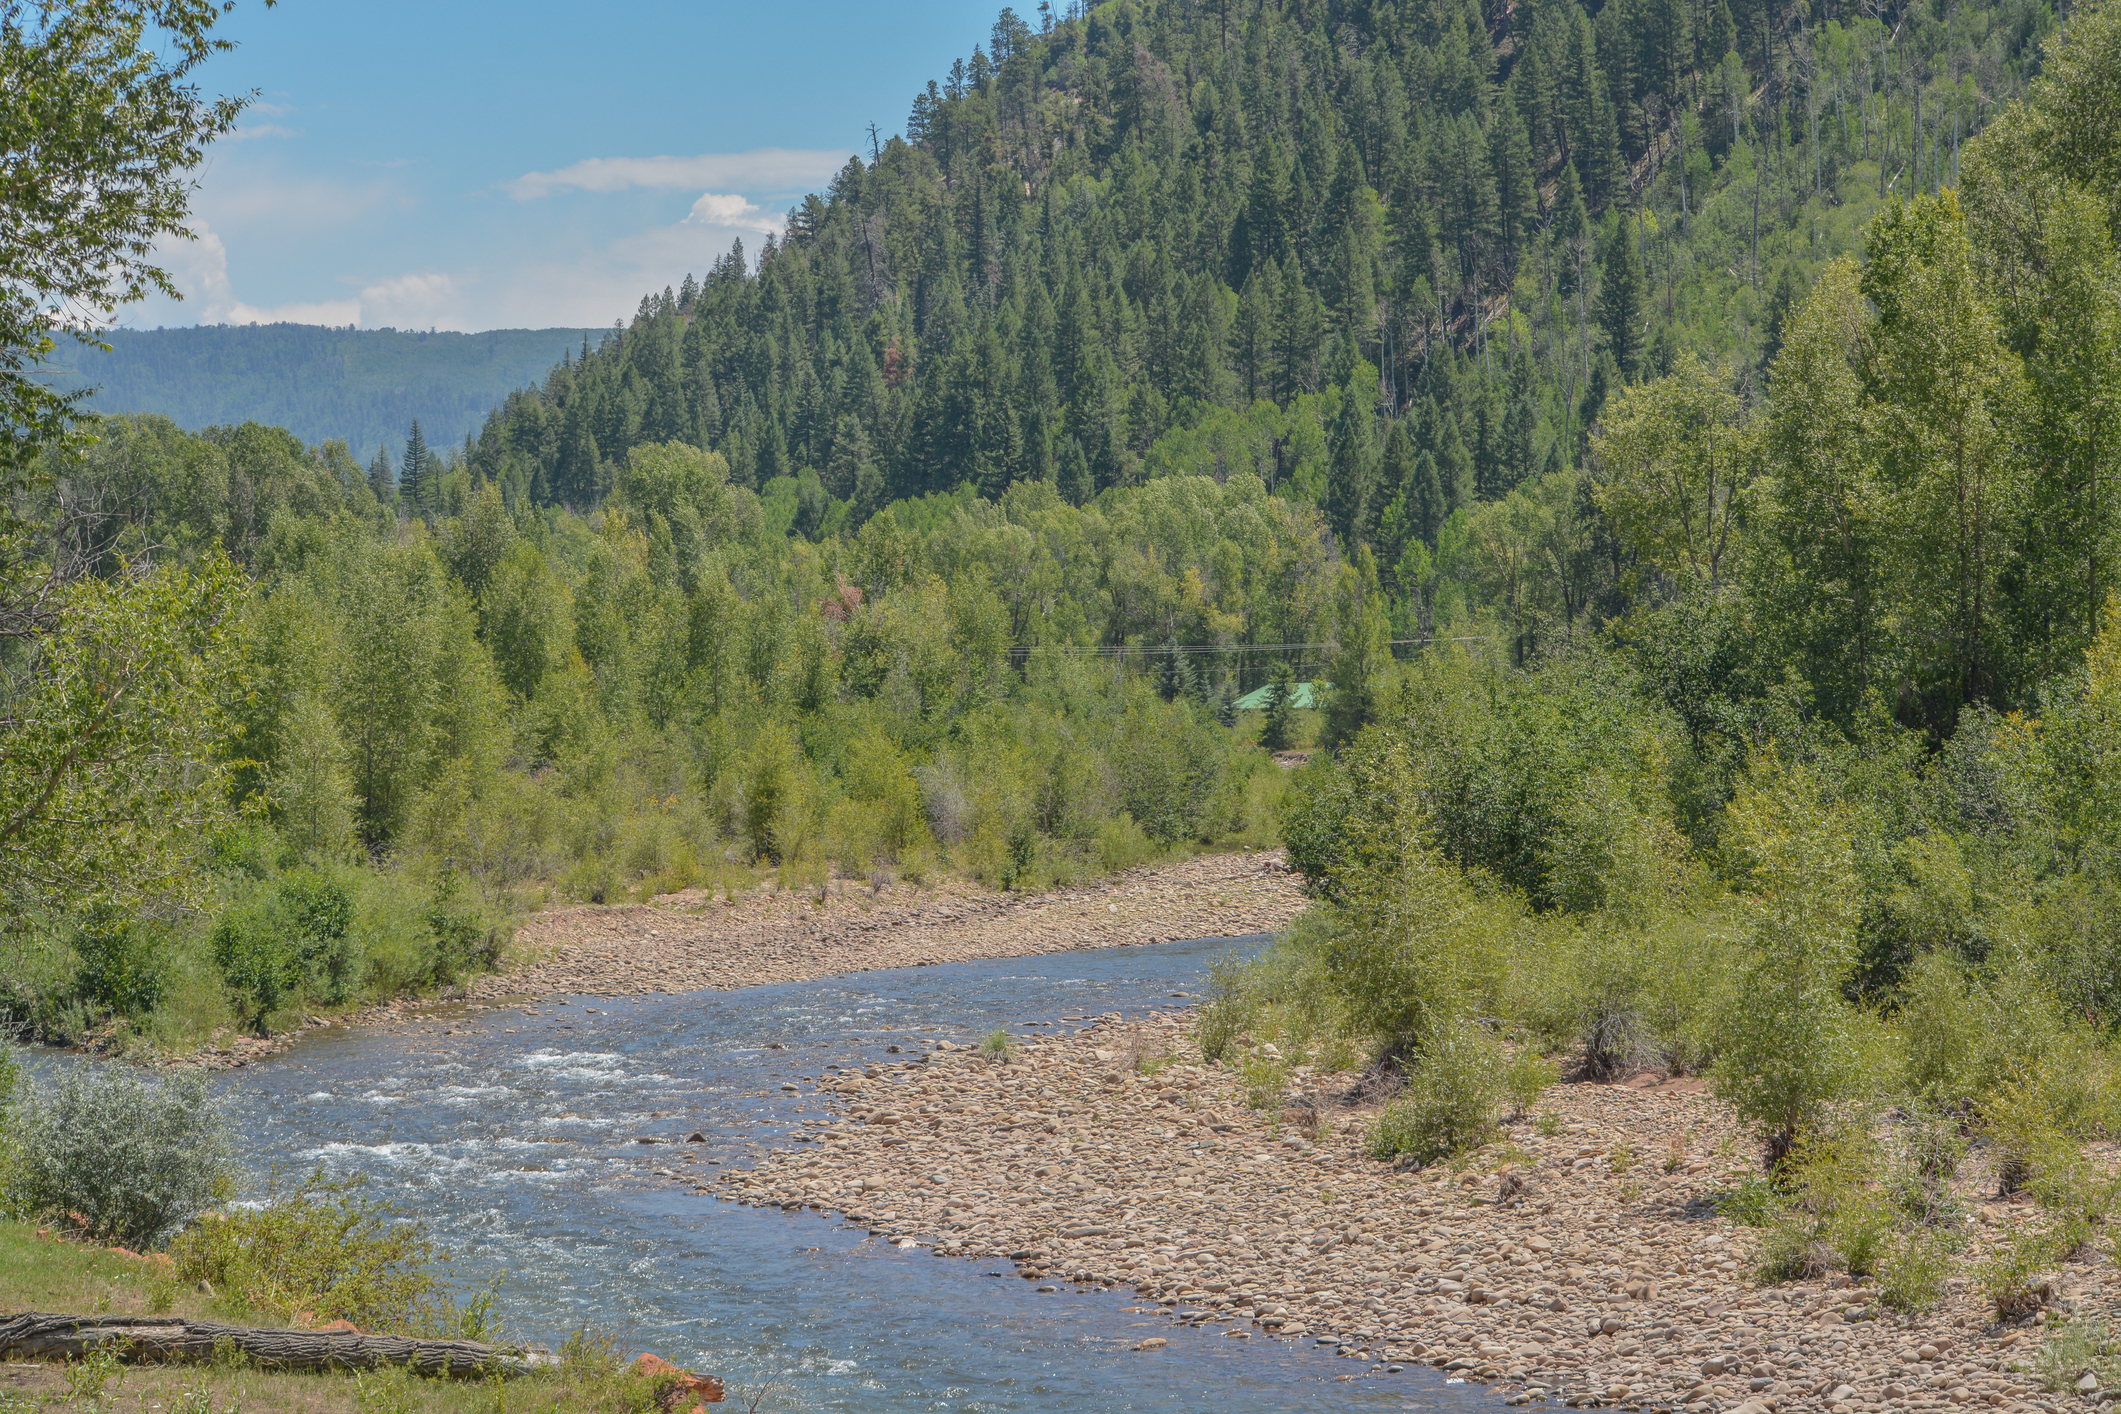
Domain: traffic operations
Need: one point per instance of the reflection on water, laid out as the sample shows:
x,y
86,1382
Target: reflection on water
x,y
515,1137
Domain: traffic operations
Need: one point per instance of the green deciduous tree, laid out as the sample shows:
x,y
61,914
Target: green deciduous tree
x,y
1948,395
101,124
112,741
1787,1049
1673,459
1822,520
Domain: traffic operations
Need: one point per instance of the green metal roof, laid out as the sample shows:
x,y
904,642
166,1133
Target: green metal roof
x,y
1302,699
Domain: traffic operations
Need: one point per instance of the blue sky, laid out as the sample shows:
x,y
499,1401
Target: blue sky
x,y
482,166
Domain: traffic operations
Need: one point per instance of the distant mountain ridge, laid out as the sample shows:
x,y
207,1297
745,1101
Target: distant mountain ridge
x,y
363,385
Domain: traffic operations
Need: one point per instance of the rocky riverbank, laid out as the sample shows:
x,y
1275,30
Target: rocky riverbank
x,y
1580,1261
694,941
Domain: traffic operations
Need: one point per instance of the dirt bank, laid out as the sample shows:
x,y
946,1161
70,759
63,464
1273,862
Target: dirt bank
x,y
691,941
1611,1280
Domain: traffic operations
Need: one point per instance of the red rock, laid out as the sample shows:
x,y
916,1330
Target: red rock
x,y
706,1388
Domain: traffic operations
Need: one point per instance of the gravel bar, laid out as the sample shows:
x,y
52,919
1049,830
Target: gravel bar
x,y
1581,1265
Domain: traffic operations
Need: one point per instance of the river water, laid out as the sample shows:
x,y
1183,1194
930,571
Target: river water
x,y
515,1139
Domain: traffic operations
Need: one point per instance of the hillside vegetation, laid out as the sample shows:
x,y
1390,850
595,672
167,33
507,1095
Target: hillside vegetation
x,y
1299,344
1391,259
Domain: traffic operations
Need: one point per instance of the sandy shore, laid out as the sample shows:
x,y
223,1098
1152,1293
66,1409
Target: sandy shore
x,y
691,942
1610,1280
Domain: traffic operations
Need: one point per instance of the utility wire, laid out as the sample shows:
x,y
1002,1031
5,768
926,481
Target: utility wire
x,y
1128,650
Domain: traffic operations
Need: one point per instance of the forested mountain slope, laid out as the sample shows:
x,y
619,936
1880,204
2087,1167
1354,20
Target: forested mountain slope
x,y
363,387
1390,256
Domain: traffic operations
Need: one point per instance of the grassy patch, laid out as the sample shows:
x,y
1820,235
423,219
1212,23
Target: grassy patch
x,y
2073,1350
40,1274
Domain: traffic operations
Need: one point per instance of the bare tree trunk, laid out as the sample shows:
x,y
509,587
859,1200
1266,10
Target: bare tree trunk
x,y
172,1338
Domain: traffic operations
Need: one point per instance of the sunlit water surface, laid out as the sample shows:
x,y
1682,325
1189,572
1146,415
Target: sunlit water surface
x,y
515,1138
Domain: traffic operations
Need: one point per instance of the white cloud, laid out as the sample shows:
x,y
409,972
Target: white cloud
x,y
605,282
258,130
763,169
574,282
199,269
732,212
429,301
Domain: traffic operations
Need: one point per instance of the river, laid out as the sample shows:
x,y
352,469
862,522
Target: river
x,y
515,1138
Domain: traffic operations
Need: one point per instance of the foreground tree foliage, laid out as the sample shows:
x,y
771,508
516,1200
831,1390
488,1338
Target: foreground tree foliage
x,y
115,670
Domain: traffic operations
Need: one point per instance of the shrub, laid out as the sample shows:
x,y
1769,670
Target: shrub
x,y
124,962
461,940
996,1044
325,1250
258,959
1912,1273
1411,951
2009,1279
1526,1079
1830,1214
1787,1045
1449,1102
136,1159
320,911
1964,1035
2073,1350
277,945
1265,1080
1231,1005
1167,760
2026,1136
1121,844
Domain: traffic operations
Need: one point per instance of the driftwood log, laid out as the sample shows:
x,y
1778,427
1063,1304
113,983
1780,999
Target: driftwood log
x,y
172,1338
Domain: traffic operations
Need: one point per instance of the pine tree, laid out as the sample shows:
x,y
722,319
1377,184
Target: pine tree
x,y
1721,36
1618,28
1396,468
1516,191
1606,176
418,465
1276,731
1395,476
1263,234
1077,485
1488,478
1621,297
1427,505
1454,466
1520,417
1668,44
851,456
1362,626
1176,677
1351,474
382,477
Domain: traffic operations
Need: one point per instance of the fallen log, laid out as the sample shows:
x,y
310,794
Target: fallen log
x,y
173,1338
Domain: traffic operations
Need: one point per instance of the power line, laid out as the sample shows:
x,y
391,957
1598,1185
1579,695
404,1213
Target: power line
x,y
1129,650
